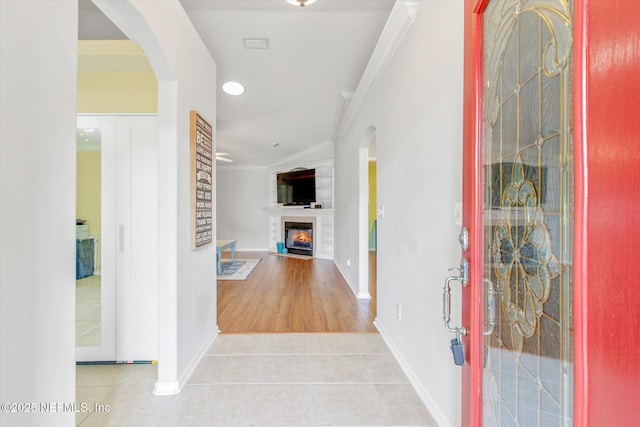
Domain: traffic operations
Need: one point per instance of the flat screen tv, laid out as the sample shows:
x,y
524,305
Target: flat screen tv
x,y
296,188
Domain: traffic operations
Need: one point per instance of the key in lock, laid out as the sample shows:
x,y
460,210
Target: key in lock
x,y
458,352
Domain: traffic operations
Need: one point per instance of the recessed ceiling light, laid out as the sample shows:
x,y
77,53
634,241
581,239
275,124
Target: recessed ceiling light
x,y
301,3
233,88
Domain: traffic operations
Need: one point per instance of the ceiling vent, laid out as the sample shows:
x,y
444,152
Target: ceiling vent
x,y
256,43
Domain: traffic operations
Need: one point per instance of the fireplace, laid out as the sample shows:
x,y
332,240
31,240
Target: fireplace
x,y
298,237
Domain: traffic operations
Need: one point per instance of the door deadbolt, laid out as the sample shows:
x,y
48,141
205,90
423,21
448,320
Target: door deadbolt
x,y
463,238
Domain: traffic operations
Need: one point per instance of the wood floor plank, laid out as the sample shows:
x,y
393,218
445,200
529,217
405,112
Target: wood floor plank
x,y
292,295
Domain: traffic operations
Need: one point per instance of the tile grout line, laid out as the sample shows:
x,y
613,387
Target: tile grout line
x,y
384,410
298,354
312,410
302,383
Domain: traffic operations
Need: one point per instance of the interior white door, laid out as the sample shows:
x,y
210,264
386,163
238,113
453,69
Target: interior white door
x,y
129,204
137,218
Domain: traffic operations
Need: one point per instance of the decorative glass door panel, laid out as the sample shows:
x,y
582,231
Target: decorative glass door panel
x,y
528,195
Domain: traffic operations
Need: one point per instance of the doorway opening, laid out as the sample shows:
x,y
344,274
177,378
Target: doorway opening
x,y
368,223
116,213
373,225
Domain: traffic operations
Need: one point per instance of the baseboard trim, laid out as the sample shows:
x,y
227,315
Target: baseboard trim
x,y
424,395
186,375
170,388
166,388
346,279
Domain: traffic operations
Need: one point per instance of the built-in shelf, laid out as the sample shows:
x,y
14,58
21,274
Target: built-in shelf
x,y
284,210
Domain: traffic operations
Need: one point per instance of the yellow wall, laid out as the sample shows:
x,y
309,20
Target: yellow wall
x,y
88,193
117,92
372,203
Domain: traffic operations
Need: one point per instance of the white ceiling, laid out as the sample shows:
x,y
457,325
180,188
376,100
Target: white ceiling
x,y
294,89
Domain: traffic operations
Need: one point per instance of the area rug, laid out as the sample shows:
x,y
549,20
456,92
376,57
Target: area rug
x,y
238,270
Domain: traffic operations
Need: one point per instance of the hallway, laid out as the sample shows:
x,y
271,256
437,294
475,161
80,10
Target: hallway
x,y
287,294
263,379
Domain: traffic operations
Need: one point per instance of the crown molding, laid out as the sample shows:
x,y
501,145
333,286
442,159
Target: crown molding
x,y
343,105
402,16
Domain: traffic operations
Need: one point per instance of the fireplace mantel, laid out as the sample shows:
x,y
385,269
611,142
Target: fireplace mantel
x,y
287,210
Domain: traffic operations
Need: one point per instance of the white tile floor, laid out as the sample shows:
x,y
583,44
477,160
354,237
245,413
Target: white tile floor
x,y
88,312
264,380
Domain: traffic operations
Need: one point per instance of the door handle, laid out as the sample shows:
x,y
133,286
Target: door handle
x,y
121,237
446,299
463,278
492,306
456,343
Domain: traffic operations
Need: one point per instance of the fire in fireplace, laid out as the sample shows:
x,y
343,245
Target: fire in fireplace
x,y
298,237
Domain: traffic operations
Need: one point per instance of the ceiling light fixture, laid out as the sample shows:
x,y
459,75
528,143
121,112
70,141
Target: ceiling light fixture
x,y
301,3
233,88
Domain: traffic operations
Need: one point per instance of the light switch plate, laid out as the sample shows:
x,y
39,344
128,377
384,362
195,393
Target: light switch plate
x,y
458,213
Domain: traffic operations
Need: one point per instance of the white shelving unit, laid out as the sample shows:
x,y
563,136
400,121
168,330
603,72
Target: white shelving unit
x,y
324,186
322,218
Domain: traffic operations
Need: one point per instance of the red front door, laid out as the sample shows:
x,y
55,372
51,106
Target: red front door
x,y
551,186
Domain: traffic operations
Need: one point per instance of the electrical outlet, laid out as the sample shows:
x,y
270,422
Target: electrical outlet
x,y
399,311
349,262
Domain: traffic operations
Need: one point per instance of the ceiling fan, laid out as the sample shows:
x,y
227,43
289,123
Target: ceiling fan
x,y
222,158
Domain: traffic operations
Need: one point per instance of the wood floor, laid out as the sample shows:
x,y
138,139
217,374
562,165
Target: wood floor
x,y
293,295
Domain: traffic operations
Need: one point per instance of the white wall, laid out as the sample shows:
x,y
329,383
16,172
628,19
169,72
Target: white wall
x,y
195,88
186,76
416,110
38,64
242,194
